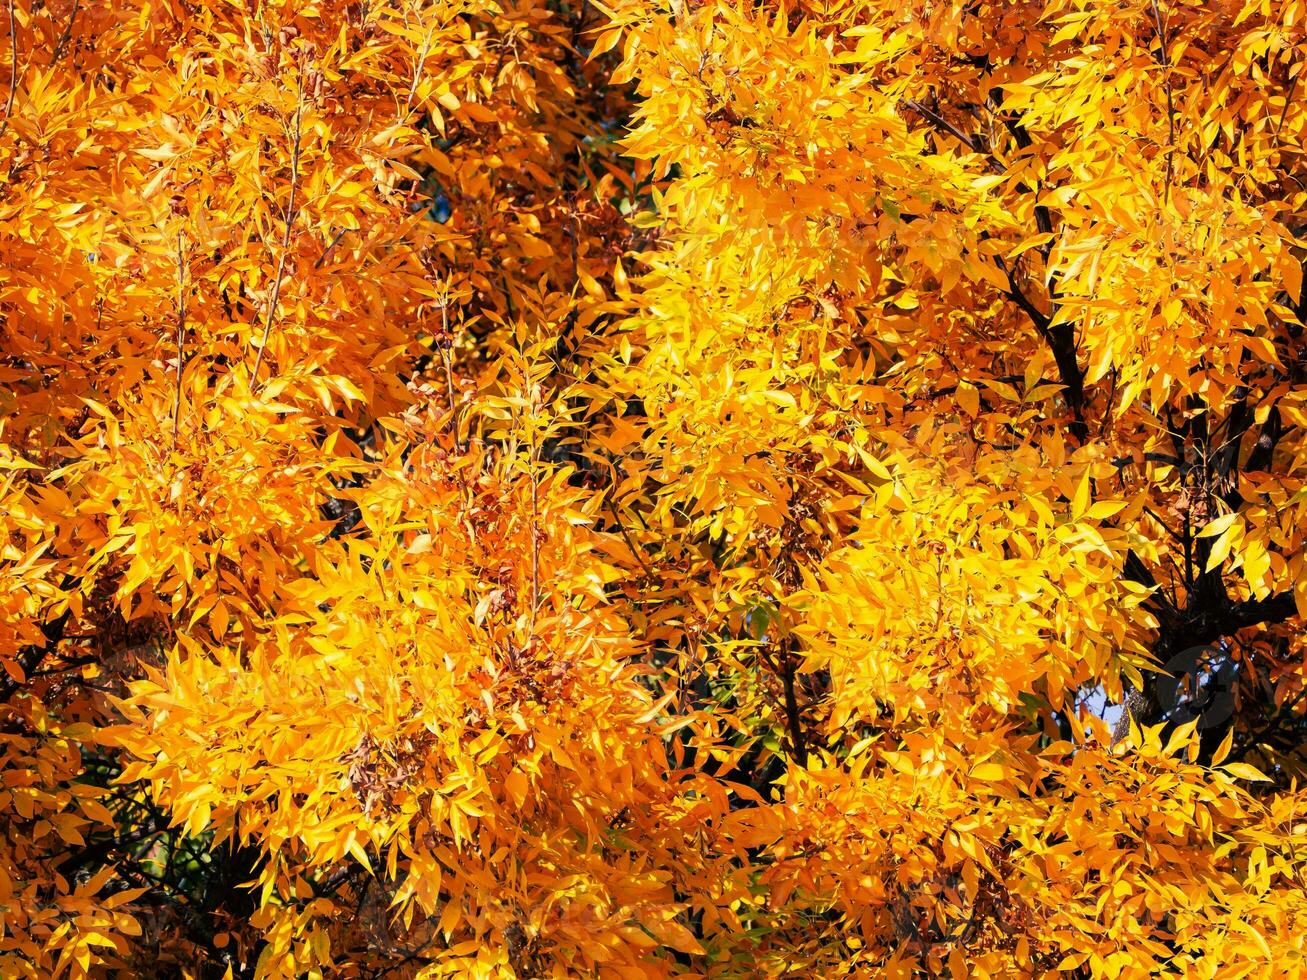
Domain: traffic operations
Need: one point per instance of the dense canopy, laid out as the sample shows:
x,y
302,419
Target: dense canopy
x,y
687,488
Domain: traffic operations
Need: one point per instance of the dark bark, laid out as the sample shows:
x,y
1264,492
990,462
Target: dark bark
x,y
793,718
30,657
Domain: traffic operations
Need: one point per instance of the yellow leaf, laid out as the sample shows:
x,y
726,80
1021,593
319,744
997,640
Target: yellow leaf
x,y
1080,501
1223,749
968,396
1242,770
1218,526
990,772
673,934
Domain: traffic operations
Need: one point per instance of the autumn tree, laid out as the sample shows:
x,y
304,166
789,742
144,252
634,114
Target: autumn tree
x,y
625,489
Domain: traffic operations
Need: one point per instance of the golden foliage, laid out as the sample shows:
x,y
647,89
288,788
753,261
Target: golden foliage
x,y
626,489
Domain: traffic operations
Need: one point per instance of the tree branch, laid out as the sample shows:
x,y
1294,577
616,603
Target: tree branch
x,y
1060,337
1164,58
290,223
1257,612
181,337
30,657
794,720
941,124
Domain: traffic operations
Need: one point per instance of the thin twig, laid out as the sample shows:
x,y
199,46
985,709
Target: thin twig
x,y
181,337
972,143
66,35
638,553
13,68
317,264
1175,535
445,340
418,66
1170,101
535,515
1288,98
290,222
